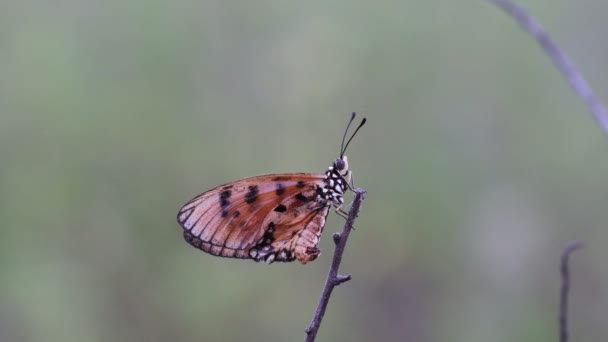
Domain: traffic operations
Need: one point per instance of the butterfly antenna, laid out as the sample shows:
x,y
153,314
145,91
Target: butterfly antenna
x,y
352,117
352,136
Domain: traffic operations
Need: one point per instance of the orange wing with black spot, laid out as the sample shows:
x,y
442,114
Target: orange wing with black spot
x,y
276,217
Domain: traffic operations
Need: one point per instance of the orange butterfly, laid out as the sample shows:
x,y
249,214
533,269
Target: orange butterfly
x,y
275,217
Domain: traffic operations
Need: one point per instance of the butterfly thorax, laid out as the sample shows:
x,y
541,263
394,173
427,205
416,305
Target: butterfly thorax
x,y
335,183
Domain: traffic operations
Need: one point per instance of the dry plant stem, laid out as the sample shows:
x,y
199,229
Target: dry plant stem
x,y
559,59
563,301
333,278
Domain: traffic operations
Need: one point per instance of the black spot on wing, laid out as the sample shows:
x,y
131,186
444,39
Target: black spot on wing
x,y
280,189
224,196
267,239
236,214
252,194
301,197
280,208
300,184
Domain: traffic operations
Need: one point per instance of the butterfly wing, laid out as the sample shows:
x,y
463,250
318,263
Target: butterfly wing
x,y
276,217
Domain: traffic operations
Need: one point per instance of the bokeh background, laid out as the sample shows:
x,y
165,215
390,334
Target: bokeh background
x,y
479,162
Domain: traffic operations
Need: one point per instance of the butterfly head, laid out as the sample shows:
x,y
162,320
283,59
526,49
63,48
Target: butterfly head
x,y
341,165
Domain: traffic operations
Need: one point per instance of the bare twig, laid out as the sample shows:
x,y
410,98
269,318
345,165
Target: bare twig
x,y
333,278
559,59
563,300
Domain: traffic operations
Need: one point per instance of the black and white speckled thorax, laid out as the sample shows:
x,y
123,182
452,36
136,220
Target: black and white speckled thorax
x,y
335,180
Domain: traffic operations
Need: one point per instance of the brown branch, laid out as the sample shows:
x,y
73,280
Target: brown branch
x,y
559,59
333,278
565,288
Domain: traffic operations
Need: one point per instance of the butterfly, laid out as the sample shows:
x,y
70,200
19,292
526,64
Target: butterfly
x,y
272,217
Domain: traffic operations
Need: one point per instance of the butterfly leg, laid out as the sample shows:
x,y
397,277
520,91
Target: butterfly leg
x,y
348,180
341,212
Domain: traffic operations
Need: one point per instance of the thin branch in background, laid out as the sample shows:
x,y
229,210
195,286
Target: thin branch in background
x,y
559,59
333,278
584,91
563,300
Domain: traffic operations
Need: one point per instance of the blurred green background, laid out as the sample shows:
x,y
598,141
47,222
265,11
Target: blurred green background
x,y
479,162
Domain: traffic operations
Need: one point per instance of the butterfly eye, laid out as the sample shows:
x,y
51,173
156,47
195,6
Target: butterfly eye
x,y
339,164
